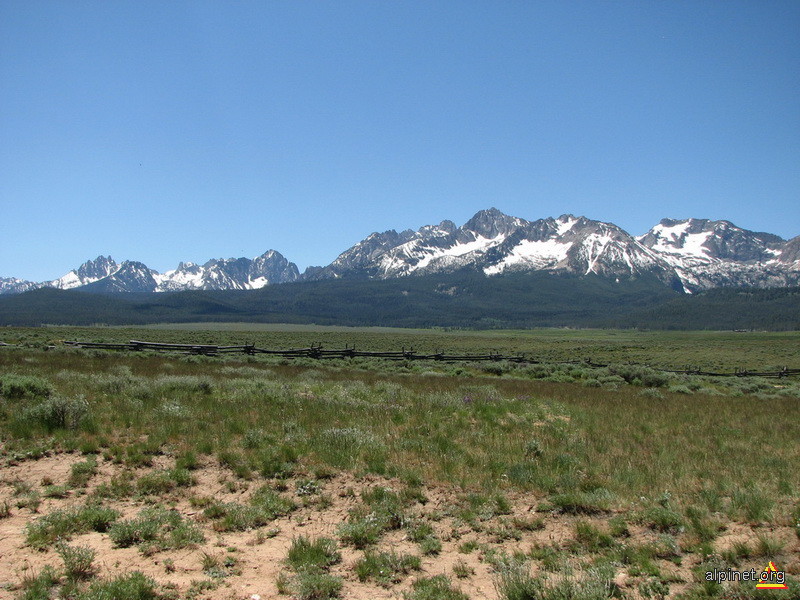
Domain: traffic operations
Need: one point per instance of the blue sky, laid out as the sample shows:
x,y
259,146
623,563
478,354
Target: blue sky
x,y
169,131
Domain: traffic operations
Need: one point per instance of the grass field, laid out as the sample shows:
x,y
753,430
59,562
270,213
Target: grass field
x,y
169,476
709,350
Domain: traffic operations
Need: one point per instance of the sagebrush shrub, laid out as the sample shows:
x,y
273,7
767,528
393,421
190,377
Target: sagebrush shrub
x,y
640,375
57,413
24,386
78,561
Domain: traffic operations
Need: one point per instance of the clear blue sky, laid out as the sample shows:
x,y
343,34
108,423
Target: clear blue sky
x,y
168,131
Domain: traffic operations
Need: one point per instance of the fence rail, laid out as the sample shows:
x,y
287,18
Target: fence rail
x,y
317,352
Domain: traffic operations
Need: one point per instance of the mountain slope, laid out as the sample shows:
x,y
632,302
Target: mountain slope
x,y
707,254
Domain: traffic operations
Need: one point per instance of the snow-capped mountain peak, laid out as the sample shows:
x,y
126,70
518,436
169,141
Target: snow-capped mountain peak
x,y
491,224
707,253
14,285
229,274
88,272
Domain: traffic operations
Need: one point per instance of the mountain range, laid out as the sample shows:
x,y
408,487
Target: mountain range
x,y
104,274
687,255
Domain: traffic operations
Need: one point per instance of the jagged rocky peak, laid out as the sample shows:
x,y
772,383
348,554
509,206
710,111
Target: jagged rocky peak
x,y
101,266
364,253
131,276
273,267
791,251
492,223
230,274
446,227
133,268
707,254
88,272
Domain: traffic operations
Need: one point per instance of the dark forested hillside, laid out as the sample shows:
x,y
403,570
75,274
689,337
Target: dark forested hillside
x,y
776,309
465,299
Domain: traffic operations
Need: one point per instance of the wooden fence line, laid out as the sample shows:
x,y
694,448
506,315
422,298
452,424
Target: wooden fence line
x,y
317,352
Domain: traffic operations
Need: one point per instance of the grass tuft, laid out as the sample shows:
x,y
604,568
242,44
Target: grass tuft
x,y
130,586
318,554
386,567
158,528
62,524
437,587
265,506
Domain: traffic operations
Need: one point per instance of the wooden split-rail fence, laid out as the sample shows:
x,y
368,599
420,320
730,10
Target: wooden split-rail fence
x,y
314,351
317,352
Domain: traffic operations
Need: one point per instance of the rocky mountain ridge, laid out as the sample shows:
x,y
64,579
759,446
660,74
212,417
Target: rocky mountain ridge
x,y
688,255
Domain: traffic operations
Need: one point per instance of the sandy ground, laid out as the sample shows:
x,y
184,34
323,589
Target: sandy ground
x,y
261,558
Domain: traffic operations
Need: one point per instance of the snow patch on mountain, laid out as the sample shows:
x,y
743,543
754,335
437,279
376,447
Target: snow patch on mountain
x,y
564,223
479,244
532,255
676,240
